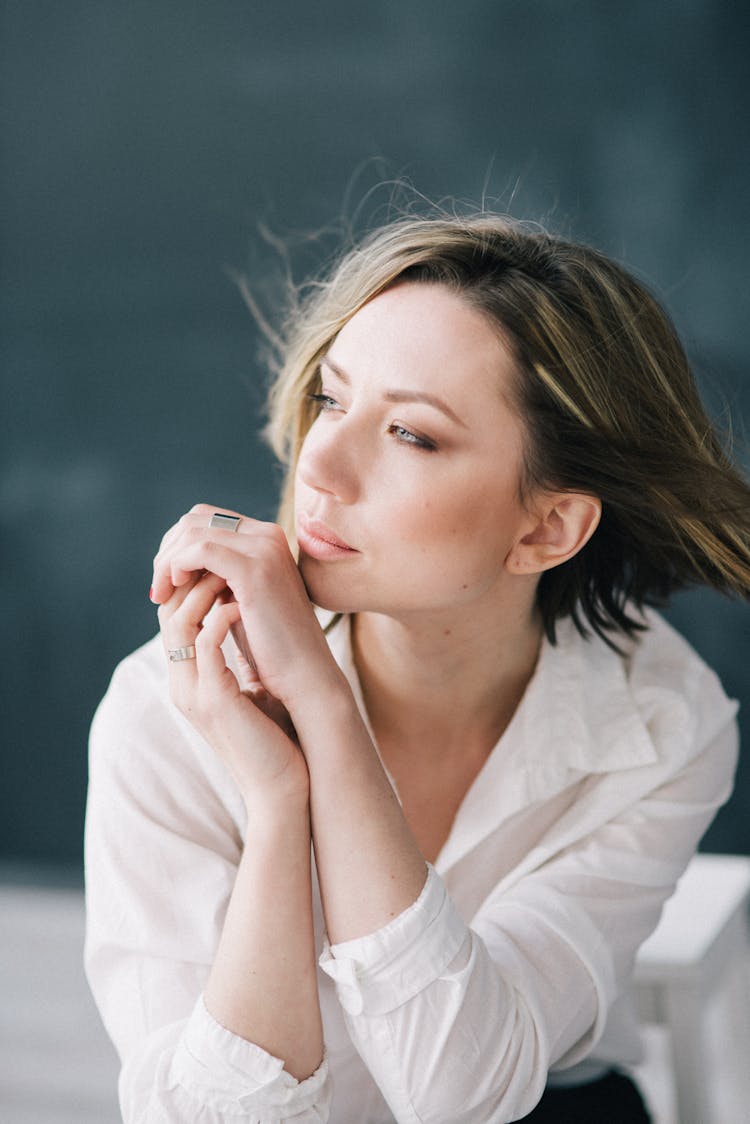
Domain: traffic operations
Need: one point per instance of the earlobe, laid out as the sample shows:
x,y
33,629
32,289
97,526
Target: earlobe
x,y
565,524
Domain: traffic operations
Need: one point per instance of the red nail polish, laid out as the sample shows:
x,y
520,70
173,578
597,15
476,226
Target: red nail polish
x,y
151,594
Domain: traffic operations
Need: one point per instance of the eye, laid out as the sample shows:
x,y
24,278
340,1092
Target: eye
x,y
404,435
324,402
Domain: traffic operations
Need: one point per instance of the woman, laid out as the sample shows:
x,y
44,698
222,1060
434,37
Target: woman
x,y
456,692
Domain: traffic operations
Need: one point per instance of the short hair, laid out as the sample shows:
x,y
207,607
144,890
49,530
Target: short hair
x,y
603,388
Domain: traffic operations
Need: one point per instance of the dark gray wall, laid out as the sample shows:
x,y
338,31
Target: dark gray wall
x,y
142,142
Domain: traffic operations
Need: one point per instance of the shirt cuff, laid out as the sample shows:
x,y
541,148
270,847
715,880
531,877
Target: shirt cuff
x,y
227,1073
380,972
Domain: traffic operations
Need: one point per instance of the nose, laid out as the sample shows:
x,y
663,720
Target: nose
x,y
328,460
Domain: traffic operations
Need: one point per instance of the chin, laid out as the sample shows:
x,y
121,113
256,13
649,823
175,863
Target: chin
x,y
333,604
325,592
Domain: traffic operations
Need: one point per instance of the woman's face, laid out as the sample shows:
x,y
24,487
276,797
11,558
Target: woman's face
x,y
406,492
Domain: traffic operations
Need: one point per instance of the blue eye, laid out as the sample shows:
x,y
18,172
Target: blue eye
x,y
408,438
326,404
324,401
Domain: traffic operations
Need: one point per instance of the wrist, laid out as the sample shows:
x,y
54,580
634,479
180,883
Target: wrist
x,y
326,692
288,797
331,729
277,822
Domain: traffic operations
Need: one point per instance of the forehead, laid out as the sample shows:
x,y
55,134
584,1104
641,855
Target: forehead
x,y
416,333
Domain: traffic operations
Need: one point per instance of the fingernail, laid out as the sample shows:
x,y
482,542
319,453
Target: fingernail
x,y
151,594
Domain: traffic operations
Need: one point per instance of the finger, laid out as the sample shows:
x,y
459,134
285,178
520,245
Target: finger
x,y
202,590
171,639
182,628
247,670
199,514
182,668
226,552
204,553
243,648
181,620
194,526
169,539
213,672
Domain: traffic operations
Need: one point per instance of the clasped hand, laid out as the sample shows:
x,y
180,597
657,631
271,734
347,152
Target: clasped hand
x,y
211,582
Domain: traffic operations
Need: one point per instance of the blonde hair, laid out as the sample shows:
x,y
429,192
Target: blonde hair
x,y
604,390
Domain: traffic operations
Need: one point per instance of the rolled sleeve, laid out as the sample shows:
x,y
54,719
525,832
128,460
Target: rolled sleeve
x,y
162,840
440,1030
239,1079
380,972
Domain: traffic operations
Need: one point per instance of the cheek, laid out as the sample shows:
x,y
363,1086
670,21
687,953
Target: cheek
x,y
461,515
299,487
474,533
420,525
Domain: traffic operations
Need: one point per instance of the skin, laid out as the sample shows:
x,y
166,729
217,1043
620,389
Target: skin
x,y
441,575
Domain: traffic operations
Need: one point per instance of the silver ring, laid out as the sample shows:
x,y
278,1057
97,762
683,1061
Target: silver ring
x,y
225,522
177,654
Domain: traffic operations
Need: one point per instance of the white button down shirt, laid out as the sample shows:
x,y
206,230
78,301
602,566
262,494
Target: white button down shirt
x,y
513,964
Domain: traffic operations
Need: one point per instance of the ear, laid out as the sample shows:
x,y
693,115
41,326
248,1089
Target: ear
x,y
562,525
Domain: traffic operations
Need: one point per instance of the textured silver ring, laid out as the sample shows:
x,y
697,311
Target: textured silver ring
x,y
177,654
225,522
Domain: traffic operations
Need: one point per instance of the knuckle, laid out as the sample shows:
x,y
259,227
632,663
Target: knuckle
x,y
196,532
277,536
273,550
167,539
210,548
271,532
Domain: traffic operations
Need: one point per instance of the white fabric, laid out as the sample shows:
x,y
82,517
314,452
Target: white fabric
x,y
515,959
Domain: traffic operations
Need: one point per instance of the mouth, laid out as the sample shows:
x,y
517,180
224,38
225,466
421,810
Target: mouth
x,y
319,541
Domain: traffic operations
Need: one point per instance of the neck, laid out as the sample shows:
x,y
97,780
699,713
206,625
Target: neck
x,y
445,679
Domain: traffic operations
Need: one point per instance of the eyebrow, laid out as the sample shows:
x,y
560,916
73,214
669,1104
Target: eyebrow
x,y
401,395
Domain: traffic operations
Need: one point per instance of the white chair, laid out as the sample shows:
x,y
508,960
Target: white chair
x,y
700,947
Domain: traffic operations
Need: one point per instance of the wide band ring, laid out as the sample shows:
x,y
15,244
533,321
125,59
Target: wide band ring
x,y
225,522
177,654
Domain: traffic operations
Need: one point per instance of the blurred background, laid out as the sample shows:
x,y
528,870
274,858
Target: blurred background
x,y
144,147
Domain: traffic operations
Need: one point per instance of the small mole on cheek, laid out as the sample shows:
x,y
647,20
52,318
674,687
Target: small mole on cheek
x,y
464,586
446,632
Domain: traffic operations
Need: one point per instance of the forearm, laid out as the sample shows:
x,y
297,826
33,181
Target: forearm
x,y
369,866
263,984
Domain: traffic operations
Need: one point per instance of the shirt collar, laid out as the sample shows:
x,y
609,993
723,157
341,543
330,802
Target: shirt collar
x,y
577,717
579,709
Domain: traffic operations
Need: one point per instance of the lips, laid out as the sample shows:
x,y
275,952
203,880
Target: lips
x,y
318,540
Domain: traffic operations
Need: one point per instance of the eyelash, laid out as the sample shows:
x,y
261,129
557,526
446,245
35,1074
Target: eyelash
x,y
322,399
403,435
